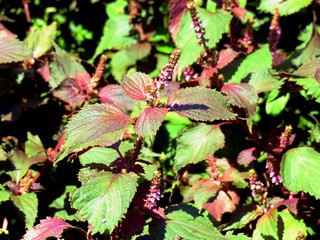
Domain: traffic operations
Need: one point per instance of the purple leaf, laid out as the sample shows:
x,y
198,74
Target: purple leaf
x,y
137,85
226,56
49,227
247,156
242,95
74,90
149,121
114,94
201,104
13,50
177,9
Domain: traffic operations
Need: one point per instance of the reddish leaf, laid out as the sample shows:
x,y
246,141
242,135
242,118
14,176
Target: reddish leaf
x,y
201,104
114,94
226,56
239,12
44,71
292,204
242,95
137,85
177,9
13,50
4,32
49,227
267,224
149,121
74,90
225,202
309,68
93,122
203,190
247,156
233,175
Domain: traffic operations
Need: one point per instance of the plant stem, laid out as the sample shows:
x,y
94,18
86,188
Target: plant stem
x,y
137,149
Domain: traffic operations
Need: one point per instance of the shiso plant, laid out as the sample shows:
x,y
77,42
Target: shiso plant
x,y
189,120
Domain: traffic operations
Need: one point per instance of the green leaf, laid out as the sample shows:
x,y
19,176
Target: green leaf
x,y
315,133
127,57
259,59
104,197
243,216
63,67
215,25
22,163
300,169
268,224
33,146
116,34
116,8
263,81
28,204
185,222
13,50
40,40
200,104
242,95
3,154
312,48
285,7
275,105
311,86
104,155
292,227
4,194
196,143
204,190
91,124
149,121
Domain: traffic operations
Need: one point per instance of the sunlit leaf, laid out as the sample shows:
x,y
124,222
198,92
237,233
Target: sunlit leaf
x,y
104,155
33,145
201,104
187,41
40,40
312,48
149,121
4,194
243,216
185,222
116,34
311,86
242,95
22,163
225,57
63,67
196,143
293,227
177,9
104,197
224,202
93,122
13,50
285,7
259,59
27,204
74,90
263,81
49,227
276,104
136,85
203,190
268,224
114,94
127,57
299,170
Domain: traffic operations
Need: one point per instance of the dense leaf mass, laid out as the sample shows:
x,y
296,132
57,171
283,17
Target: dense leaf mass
x,y
188,119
